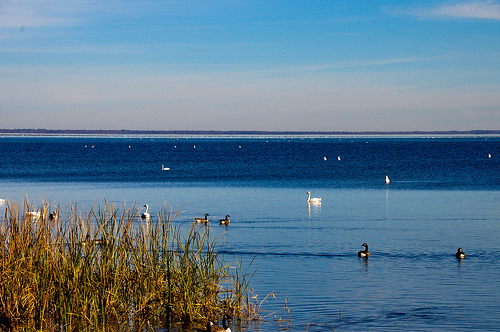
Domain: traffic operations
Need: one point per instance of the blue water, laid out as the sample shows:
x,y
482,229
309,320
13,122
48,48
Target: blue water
x,y
444,194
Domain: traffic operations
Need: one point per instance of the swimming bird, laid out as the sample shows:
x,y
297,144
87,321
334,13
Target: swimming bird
x,y
34,214
145,215
2,201
202,220
364,253
53,215
214,328
489,155
163,168
324,158
460,253
338,158
96,241
225,221
312,200
387,181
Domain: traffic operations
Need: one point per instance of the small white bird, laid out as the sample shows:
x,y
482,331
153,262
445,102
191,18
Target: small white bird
x,y
145,215
312,200
324,158
163,168
387,181
489,155
338,158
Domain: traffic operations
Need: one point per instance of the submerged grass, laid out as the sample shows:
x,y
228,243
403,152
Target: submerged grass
x,y
106,269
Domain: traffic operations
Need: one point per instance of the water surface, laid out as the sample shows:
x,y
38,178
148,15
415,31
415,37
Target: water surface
x,y
444,194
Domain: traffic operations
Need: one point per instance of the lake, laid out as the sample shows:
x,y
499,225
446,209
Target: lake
x,y
444,194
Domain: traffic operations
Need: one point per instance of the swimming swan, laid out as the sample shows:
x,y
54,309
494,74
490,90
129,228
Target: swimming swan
x,y
225,221
460,253
163,168
387,181
202,220
312,200
214,328
364,253
33,215
146,214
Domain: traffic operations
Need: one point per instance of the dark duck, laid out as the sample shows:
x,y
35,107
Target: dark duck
x,y
214,328
364,253
460,253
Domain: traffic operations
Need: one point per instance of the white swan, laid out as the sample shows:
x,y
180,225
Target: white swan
x,y
34,215
338,158
163,168
312,200
387,181
2,201
324,158
145,215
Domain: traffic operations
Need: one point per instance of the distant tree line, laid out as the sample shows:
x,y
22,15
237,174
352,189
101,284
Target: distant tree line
x,y
235,132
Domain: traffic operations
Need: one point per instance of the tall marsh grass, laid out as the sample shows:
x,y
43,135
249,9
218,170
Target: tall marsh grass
x,y
106,269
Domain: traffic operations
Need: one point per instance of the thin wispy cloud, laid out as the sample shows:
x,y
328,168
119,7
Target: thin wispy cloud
x,y
39,13
489,9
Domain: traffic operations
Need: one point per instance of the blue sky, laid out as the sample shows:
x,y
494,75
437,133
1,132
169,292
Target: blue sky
x,y
250,65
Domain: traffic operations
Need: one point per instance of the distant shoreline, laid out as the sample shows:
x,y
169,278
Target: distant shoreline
x,y
235,133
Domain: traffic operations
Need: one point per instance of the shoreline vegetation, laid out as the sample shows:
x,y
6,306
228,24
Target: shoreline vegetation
x,y
106,269
236,133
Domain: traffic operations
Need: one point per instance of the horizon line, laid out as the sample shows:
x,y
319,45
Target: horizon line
x,y
244,132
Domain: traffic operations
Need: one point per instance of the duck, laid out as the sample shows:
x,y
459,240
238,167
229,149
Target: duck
x,y
387,180
214,328
460,253
202,220
145,215
89,242
225,221
53,215
364,253
312,200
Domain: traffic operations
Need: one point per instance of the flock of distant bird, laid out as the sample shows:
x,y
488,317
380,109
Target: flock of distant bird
x,y
204,220
365,253
310,200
